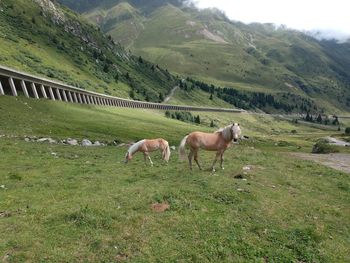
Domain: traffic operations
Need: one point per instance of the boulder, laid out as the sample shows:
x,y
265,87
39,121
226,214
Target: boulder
x,y
86,142
72,141
97,143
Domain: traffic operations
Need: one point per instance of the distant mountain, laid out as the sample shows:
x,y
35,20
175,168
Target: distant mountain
x,y
209,47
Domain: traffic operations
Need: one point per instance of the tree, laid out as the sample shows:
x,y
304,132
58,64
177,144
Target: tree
x,y
116,77
127,76
161,97
319,118
212,124
140,59
132,94
347,130
197,119
335,121
211,97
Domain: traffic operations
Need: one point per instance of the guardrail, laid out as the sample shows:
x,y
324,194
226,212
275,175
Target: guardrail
x,y
13,82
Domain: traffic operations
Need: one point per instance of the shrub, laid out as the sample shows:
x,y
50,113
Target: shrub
x,y
322,146
347,130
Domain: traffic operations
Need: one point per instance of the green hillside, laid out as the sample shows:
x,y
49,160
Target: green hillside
x,y
81,204
44,39
207,46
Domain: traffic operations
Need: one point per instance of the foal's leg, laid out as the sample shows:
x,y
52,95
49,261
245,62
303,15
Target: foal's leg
x,y
149,158
216,158
196,159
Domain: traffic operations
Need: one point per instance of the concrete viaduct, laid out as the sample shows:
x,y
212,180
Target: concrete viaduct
x,y
13,83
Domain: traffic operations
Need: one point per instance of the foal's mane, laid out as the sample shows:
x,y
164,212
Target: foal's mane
x,y
133,148
226,132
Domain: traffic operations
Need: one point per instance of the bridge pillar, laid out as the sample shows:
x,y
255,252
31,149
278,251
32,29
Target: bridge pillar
x,y
52,96
75,97
35,92
58,94
64,95
79,98
70,96
84,99
13,87
1,90
24,88
43,91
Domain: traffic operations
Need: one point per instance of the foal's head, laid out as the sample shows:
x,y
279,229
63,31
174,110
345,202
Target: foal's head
x,y
235,131
128,157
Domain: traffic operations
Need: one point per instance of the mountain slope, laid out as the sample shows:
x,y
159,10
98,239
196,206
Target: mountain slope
x,y
40,37
208,46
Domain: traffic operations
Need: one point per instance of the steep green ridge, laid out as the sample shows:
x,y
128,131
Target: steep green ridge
x,y
40,37
209,47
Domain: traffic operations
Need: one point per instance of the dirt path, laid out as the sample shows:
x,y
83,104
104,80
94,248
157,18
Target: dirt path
x,y
171,94
337,142
338,161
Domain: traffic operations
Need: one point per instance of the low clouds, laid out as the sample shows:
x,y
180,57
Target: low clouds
x,y
324,19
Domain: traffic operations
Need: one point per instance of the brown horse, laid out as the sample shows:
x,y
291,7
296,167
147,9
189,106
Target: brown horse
x,y
147,146
217,141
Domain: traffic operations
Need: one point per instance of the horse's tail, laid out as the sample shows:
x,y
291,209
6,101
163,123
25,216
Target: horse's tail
x,y
182,152
167,152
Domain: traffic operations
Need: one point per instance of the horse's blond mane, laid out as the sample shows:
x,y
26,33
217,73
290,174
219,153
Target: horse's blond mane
x,y
226,133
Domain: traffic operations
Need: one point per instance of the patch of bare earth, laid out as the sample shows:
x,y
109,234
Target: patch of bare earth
x,y
338,161
160,207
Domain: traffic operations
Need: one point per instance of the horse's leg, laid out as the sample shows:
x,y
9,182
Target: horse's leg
x,y
216,158
190,155
149,158
196,159
222,160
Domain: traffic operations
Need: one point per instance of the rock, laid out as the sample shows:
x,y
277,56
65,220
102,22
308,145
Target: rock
x,y
247,168
160,207
238,176
54,154
86,142
97,143
173,148
2,186
49,140
27,139
72,141
5,214
52,141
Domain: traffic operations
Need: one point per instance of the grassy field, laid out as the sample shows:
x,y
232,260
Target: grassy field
x,y
63,203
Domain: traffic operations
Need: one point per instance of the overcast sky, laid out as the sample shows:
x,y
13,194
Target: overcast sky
x,y
330,16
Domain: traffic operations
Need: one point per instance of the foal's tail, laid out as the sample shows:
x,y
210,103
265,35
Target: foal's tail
x,y
182,152
167,152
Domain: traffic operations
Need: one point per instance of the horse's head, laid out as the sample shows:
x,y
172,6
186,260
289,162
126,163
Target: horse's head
x,y
235,131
